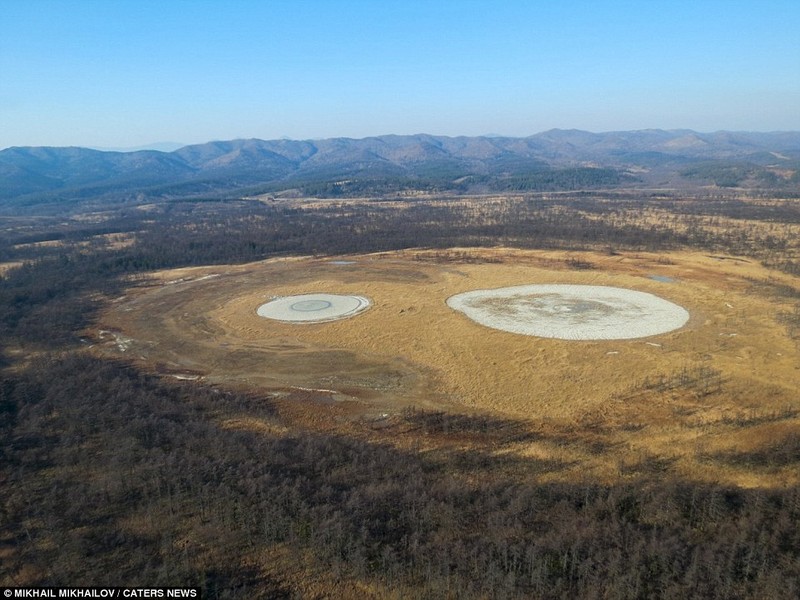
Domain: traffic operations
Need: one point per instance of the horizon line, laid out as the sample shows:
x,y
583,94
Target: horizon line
x,y
152,147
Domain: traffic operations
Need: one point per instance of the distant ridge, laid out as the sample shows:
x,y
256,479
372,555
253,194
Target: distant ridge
x,y
159,146
554,159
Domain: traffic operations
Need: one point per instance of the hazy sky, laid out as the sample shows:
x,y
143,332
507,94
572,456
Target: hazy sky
x,y
119,73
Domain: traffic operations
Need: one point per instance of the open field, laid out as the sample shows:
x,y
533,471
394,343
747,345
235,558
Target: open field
x,y
699,401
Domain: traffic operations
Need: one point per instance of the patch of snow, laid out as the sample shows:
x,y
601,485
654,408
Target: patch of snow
x,y
123,343
318,390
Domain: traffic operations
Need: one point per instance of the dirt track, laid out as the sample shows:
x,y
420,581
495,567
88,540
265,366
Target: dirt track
x,y
410,348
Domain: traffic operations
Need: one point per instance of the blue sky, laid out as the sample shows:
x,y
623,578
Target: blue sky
x,y
119,73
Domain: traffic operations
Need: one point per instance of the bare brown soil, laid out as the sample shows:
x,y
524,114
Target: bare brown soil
x,y
725,383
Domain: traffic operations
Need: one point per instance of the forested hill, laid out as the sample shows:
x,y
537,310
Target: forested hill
x,y
553,160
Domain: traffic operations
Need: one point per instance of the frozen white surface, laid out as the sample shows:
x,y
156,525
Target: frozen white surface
x,y
571,312
312,308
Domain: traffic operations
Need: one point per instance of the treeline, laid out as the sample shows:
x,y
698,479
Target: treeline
x,y
449,178
356,186
111,476
576,178
734,174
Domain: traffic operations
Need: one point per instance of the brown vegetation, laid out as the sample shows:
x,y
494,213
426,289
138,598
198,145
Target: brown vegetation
x,y
407,452
410,349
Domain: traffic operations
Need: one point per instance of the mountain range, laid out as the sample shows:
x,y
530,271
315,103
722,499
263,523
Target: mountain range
x,y
555,159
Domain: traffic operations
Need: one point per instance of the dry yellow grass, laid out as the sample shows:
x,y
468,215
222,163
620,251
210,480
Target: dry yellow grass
x,y
411,349
7,266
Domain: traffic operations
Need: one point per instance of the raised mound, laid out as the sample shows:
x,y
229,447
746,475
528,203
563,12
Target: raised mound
x,y
571,312
312,308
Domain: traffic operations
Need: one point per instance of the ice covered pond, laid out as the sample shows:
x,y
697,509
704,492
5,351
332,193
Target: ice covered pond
x,y
312,308
571,312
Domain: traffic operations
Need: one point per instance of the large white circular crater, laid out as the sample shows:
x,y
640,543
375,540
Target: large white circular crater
x,y
571,312
312,308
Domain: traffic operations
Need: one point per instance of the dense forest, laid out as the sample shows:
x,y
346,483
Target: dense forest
x,y
112,476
